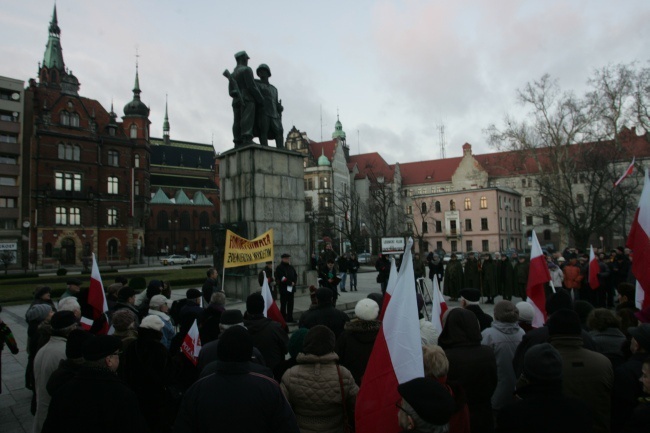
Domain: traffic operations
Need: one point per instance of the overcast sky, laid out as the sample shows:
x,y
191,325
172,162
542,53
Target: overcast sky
x,y
395,69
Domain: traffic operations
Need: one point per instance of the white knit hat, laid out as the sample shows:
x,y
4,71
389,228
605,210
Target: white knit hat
x,y
157,301
526,312
152,322
366,309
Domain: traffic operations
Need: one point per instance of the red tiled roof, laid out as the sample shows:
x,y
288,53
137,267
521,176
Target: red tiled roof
x,y
317,148
372,165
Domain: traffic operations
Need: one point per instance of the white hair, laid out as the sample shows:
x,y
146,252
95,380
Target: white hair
x,y
69,303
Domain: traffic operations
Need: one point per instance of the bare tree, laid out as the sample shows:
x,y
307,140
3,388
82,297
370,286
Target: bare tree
x,y
7,258
348,209
571,144
420,217
381,210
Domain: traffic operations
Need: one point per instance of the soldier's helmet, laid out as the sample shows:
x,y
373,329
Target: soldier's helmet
x,y
263,66
241,54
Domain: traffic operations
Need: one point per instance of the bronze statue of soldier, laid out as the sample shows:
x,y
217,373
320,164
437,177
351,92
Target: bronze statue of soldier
x,y
269,117
245,97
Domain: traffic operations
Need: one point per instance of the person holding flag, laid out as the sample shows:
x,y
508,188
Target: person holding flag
x,y
268,336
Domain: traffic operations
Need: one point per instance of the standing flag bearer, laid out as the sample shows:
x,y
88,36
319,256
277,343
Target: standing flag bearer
x,y
538,275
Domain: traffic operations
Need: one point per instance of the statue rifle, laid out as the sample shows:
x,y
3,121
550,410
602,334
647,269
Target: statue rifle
x,y
232,81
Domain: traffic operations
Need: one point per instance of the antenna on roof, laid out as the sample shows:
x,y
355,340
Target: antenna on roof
x,y
321,123
442,140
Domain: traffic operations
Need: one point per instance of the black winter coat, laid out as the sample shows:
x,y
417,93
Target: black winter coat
x,y
327,315
95,400
471,365
627,390
355,344
484,319
235,400
269,338
543,409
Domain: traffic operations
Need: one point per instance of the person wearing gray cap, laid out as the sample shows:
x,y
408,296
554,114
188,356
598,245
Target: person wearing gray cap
x,y
245,95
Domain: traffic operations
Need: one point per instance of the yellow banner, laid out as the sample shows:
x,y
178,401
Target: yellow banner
x,y
240,251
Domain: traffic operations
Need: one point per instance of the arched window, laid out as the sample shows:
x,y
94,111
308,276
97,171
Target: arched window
x,y
468,204
425,227
424,208
65,118
163,220
136,162
74,119
452,204
437,206
112,249
204,220
185,223
133,131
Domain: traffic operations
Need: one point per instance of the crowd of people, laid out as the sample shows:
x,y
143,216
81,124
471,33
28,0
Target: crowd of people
x,y
587,369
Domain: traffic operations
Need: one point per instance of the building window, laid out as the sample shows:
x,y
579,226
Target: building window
x,y
486,245
580,199
61,216
425,227
113,185
529,220
454,246
468,225
69,152
186,224
483,202
439,246
48,250
8,224
112,249
452,205
546,219
8,138
113,158
112,217
523,183
528,201
325,182
136,161
8,181
544,201
74,120
409,210
424,208
468,204
64,118
484,224
7,202
136,188
204,220
438,226
163,220
547,235
469,246
325,202
437,206
74,216
133,131
309,204
409,227
67,181
8,159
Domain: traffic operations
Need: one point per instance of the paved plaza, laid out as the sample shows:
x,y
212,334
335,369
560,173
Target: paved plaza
x,y
15,415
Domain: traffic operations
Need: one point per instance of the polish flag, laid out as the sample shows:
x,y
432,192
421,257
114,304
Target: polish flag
x,y
97,304
438,306
396,356
390,286
594,269
538,275
271,309
639,241
627,172
192,344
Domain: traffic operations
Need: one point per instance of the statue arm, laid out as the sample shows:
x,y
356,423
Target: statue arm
x,y
252,86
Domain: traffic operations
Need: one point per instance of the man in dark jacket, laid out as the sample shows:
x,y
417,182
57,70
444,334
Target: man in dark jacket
x,y
469,299
286,279
541,406
382,265
471,365
436,267
489,278
328,277
505,277
325,314
211,285
234,399
268,335
521,277
453,277
471,273
95,399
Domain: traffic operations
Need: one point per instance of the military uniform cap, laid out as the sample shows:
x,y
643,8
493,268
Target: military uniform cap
x,y
241,54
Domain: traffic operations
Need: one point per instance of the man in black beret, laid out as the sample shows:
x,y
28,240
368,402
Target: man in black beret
x,y
426,405
227,399
469,299
95,399
268,335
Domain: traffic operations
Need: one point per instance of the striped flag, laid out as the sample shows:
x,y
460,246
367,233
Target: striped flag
x,y
271,309
438,306
627,172
639,241
538,275
97,302
594,269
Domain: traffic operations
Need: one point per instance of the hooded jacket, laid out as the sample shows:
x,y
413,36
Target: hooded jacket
x,y
354,346
503,338
471,365
269,338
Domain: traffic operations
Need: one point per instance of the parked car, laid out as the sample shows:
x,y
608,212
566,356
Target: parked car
x,y
175,259
364,258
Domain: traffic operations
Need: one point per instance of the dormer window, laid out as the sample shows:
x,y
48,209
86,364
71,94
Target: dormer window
x,y
74,120
65,118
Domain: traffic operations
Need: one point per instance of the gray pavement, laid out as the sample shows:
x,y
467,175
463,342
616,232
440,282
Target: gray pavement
x,y
15,399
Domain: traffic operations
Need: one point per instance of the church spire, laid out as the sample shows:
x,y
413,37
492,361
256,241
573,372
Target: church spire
x,y
136,107
53,52
166,123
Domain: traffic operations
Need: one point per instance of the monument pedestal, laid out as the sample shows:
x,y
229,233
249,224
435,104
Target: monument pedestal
x,y
262,188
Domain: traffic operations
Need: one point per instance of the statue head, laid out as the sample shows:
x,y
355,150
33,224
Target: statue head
x,y
262,70
242,57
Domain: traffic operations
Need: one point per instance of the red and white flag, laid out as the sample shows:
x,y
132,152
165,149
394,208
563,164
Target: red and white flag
x,y
538,275
192,343
396,356
438,306
271,309
97,303
390,286
594,269
639,242
627,172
